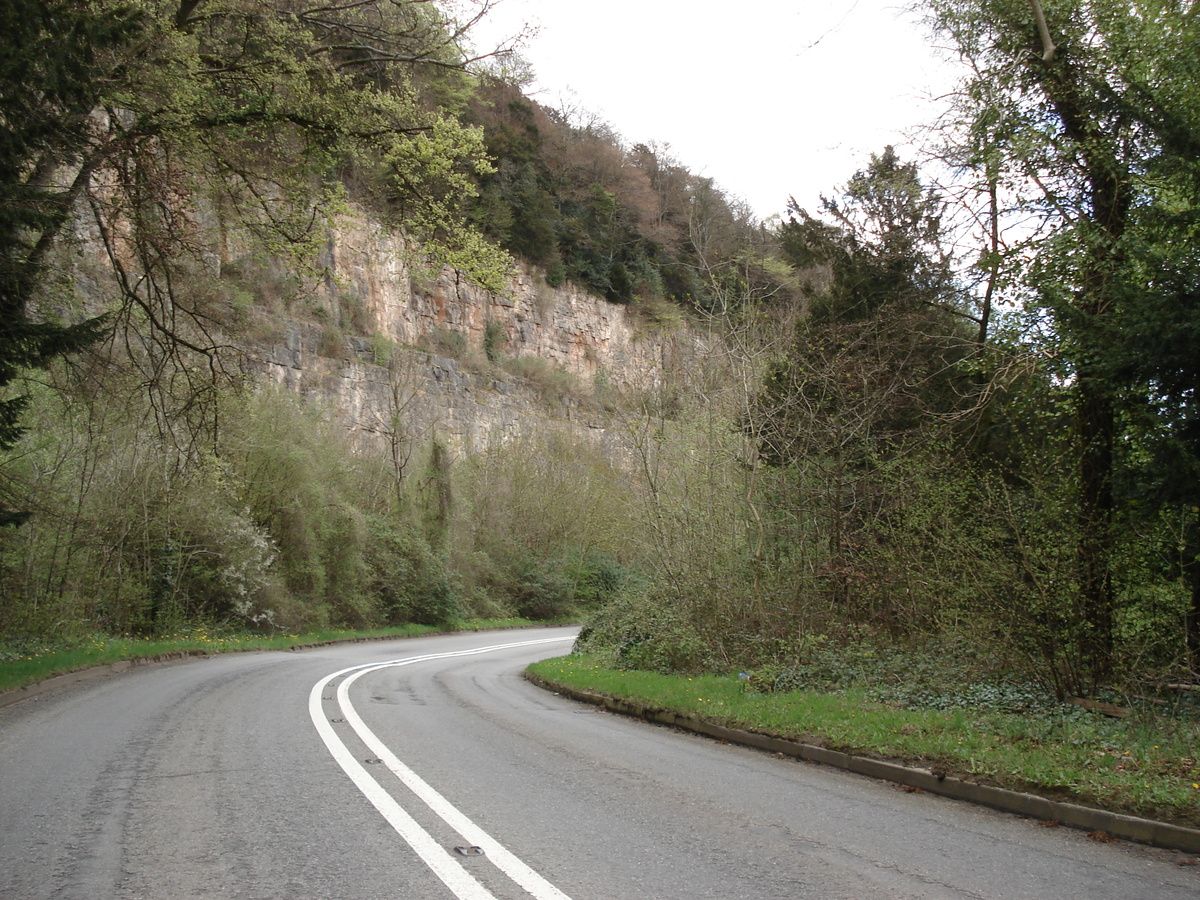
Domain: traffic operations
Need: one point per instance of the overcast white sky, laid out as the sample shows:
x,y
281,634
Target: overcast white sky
x,y
770,98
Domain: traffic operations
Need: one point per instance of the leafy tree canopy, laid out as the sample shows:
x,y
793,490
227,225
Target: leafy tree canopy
x,y
145,115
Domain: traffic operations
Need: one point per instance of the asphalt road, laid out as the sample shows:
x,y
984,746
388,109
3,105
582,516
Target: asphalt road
x,y
428,770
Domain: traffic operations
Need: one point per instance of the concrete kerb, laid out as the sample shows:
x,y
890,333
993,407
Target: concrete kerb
x,y
1132,828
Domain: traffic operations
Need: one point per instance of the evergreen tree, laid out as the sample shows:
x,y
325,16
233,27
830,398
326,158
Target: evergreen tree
x,y
876,348
57,62
872,361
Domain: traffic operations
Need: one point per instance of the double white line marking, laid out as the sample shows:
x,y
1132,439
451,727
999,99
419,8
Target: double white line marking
x,y
438,858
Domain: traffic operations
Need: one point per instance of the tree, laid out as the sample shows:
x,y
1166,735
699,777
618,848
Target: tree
x,y
55,69
890,303
156,117
1084,105
1159,355
873,360
1160,333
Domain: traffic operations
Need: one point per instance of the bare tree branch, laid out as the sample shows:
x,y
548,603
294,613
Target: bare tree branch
x,y
1048,47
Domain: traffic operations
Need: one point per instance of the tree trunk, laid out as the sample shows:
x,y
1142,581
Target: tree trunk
x,y
1101,227
1096,428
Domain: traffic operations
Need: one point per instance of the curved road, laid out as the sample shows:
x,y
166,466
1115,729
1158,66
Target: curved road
x,y
429,770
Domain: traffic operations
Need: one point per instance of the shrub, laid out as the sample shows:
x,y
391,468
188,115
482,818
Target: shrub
x,y
542,589
409,581
646,631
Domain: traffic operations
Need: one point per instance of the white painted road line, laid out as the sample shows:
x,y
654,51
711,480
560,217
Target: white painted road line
x,y
446,867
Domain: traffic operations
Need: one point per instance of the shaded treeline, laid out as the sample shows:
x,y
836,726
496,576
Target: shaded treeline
x,y
981,431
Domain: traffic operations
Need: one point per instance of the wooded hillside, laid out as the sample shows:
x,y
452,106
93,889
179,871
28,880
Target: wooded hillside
x,y
961,412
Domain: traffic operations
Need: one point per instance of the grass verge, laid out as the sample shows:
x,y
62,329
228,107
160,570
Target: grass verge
x,y
30,661
1144,765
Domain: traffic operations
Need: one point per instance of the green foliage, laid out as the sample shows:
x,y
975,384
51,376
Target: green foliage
x,y
494,340
627,223
183,129
655,316
859,392
438,486
409,580
542,589
1094,141
647,633
552,383
124,542
915,483
276,527
561,587
877,351
209,146
541,528
383,349
56,60
893,461
447,342
884,245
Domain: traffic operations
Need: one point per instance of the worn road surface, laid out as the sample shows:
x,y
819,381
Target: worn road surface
x,y
429,770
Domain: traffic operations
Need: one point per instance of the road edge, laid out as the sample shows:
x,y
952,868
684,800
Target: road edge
x,y
89,673
1132,828
102,670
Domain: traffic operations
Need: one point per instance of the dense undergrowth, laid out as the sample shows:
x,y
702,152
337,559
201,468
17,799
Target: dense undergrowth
x,y
283,525
154,483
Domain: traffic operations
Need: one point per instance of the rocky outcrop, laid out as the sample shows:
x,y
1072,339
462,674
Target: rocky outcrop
x,y
417,396
577,331
436,356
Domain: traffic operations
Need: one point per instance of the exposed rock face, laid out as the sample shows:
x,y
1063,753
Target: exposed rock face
x,y
418,396
403,383
566,326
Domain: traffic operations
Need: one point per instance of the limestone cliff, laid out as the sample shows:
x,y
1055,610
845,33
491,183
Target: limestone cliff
x,y
428,357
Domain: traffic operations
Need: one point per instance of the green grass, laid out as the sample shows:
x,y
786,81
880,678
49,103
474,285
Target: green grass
x,y
1144,765
33,660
